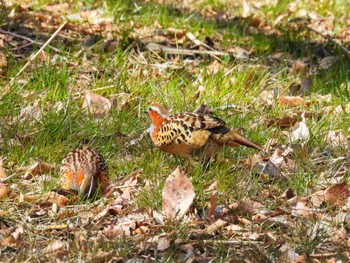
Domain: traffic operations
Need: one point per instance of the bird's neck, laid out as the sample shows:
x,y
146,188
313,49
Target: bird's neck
x,y
156,118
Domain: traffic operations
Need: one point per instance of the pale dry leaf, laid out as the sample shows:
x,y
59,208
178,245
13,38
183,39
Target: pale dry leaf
x,y
303,210
347,108
54,246
13,237
337,139
339,235
316,199
113,231
57,8
161,242
53,197
101,256
29,114
267,96
218,224
214,67
245,9
300,132
178,195
233,229
38,168
96,104
277,157
3,174
240,52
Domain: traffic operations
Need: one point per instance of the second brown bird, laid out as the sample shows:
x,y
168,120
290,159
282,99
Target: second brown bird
x,y
192,134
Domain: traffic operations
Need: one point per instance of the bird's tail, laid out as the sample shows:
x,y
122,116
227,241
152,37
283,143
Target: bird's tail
x,y
233,139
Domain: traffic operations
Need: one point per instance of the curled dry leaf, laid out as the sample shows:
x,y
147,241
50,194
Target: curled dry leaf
x,y
96,104
299,67
218,224
3,174
267,96
4,190
290,101
300,132
316,199
38,168
283,122
178,195
337,194
13,237
161,242
29,114
54,246
53,197
336,139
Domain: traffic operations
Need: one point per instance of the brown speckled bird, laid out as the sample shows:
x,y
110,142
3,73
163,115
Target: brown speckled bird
x,y
85,171
196,134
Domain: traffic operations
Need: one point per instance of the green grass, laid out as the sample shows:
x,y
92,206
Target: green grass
x,y
112,73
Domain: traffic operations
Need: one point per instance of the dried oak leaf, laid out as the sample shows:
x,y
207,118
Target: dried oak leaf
x,y
178,195
53,197
96,104
300,132
29,114
4,190
162,241
337,194
38,168
291,101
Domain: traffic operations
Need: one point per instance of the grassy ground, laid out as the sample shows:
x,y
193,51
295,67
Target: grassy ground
x,y
127,73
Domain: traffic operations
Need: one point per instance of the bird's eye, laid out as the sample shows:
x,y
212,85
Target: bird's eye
x,y
150,108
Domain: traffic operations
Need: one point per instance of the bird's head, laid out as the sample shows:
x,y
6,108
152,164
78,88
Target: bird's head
x,y
157,113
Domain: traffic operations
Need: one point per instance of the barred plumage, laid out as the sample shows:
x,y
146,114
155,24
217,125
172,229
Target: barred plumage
x,y
192,134
84,170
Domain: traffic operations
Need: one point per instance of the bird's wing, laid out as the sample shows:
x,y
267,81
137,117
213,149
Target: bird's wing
x,y
198,121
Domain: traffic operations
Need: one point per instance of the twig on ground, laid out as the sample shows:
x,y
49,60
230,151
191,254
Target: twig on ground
x,y
31,58
331,40
28,39
183,51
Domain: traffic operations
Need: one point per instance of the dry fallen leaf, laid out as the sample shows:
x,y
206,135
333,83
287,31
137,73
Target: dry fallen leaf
x,y
162,242
299,67
55,198
3,174
218,224
4,190
29,114
300,132
96,104
316,199
178,195
336,139
337,194
38,168
292,101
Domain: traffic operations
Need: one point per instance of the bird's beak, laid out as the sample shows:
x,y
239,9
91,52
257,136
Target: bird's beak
x,y
146,111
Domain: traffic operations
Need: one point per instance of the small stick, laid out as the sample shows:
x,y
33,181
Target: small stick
x,y
27,38
32,57
180,51
330,39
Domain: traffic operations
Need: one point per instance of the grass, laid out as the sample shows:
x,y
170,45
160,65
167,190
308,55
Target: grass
x,y
112,74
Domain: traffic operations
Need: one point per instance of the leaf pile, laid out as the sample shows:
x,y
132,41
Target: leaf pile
x,y
276,72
